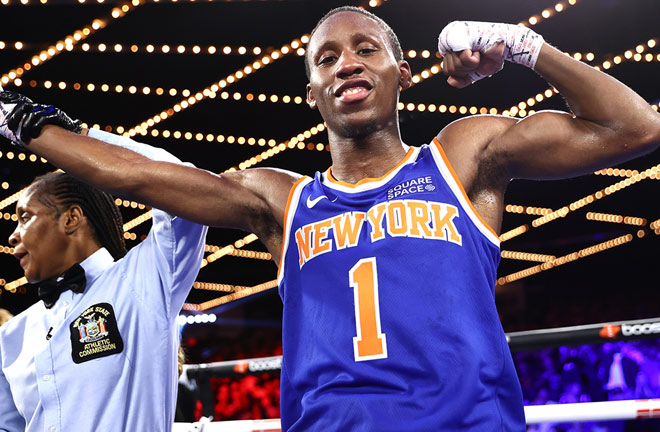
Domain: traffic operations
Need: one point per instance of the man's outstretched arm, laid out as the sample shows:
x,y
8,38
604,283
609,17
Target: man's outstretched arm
x,y
251,200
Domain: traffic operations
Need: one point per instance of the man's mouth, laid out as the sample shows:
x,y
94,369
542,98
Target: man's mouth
x,y
353,91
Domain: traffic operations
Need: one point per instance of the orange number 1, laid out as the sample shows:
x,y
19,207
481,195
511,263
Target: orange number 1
x,y
369,344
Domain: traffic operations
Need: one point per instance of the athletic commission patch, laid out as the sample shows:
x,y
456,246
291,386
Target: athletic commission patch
x,y
95,334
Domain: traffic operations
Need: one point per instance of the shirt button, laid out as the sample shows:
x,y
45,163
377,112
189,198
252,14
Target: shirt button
x,y
47,378
52,429
66,304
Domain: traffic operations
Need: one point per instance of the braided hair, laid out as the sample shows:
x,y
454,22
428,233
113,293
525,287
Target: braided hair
x,y
60,191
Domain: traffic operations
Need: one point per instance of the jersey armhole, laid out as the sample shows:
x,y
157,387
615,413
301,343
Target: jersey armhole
x,y
289,212
455,184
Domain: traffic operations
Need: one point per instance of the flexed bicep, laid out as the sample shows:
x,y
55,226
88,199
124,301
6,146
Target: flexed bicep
x,y
554,145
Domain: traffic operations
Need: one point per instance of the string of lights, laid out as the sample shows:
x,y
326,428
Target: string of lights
x,y
176,49
548,13
295,45
620,172
526,256
297,141
149,48
83,2
69,41
227,250
230,297
530,210
582,253
11,199
655,226
614,218
22,157
211,286
583,202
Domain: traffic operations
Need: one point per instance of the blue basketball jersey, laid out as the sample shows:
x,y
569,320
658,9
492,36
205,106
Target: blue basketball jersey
x,y
389,306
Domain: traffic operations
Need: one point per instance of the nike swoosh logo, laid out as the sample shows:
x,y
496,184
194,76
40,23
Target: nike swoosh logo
x,y
311,203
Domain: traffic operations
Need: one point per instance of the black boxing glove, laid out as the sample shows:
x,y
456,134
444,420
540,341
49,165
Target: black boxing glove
x,y
21,119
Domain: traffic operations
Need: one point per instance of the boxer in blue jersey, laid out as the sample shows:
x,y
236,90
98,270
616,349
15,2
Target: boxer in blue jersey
x,y
388,259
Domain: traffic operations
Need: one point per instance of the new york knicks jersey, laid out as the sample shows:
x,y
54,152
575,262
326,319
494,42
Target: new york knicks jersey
x,y
389,312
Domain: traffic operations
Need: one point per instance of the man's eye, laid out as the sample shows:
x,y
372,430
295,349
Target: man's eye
x,y
367,50
326,60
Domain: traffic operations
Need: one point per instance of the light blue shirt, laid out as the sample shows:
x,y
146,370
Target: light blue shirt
x,y
79,379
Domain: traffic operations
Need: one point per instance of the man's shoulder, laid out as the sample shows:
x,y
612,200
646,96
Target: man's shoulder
x,y
474,129
284,178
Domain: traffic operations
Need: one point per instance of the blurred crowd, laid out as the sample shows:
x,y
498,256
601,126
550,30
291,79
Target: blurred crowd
x,y
587,373
241,398
592,373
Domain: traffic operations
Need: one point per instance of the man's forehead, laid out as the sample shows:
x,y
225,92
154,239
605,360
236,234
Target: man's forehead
x,y
340,25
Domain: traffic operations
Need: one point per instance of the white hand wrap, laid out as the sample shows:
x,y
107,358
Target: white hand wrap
x,y
5,109
522,44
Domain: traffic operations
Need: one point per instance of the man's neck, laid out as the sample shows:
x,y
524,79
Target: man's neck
x,y
355,159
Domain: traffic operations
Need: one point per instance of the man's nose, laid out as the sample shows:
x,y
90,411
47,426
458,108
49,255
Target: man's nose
x,y
349,65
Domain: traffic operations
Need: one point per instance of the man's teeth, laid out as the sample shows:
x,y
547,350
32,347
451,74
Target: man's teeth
x,y
353,90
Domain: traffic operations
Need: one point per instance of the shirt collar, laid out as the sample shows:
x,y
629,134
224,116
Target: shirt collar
x,y
96,263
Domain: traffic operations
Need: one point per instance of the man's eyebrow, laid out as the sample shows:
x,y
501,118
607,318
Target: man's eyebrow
x,y
357,36
360,35
324,46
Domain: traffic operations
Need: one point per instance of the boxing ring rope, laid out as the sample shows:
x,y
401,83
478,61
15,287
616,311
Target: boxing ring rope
x,y
558,413
518,341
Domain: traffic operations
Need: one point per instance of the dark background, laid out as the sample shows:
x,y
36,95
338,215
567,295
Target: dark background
x,y
620,283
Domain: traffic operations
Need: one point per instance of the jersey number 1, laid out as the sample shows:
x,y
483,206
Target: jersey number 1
x,y
369,344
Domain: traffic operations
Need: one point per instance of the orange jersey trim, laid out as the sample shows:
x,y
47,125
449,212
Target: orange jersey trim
x,y
369,180
460,186
285,224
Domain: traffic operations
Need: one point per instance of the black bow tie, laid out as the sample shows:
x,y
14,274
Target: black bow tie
x,y
73,279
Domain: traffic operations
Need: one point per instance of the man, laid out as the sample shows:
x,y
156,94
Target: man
x,y
389,313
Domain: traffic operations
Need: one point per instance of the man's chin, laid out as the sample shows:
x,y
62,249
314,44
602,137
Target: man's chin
x,y
359,128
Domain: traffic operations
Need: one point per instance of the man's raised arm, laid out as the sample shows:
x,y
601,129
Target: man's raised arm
x,y
609,123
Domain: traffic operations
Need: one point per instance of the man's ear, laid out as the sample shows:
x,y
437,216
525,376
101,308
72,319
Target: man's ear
x,y
405,79
310,97
73,219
